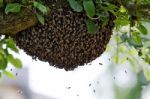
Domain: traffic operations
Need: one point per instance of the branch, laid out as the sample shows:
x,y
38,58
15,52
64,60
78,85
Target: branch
x,y
13,23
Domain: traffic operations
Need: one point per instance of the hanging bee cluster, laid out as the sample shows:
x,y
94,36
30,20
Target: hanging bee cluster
x,y
63,40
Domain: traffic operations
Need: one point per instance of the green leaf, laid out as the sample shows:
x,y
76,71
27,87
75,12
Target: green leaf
x,y
40,6
147,59
40,18
24,1
135,40
12,7
11,44
115,58
14,61
2,52
123,9
142,29
104,17
147,74
110,7
3,62
76,6
124,37
91,26
1,3
123,60
142,77
89,8
121,21
9,74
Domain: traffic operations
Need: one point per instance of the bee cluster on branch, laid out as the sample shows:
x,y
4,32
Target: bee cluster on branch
x,y
63,40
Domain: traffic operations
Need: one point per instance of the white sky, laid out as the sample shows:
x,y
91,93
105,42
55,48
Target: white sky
x,y
52,82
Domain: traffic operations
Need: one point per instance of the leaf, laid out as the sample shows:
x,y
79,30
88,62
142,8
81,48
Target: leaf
x,y
115,58
3,62
147,59
11,44
123,9
14,61
24,1
91,26
110,7
9,74
118,39
137,39
104,17
2,52
124,37
40,18
76,6
1,3
121,21
89,8
147,74
142,29
12,7
40,6
142,77
123,60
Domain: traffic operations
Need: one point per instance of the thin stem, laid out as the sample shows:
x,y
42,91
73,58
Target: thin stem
x,y
130,29
117,60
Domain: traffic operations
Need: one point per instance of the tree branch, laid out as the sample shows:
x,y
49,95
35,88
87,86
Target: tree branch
x,y
13,23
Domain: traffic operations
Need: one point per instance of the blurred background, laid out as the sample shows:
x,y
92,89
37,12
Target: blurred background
x,y
117,74
101,79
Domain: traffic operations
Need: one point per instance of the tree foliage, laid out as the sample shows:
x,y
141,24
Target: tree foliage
x,y
131,25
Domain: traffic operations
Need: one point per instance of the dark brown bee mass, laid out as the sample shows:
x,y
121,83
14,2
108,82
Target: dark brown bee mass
x,y
63,41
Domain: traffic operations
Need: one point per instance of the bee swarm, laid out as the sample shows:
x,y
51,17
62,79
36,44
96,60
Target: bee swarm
x,y
63,40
